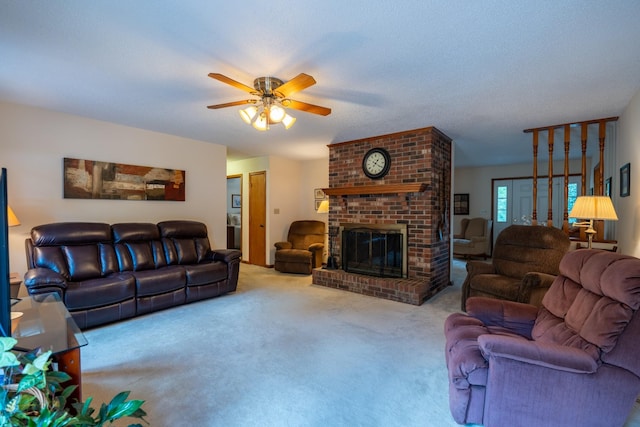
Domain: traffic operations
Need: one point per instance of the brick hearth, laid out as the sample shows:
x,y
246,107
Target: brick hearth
x,y
415,192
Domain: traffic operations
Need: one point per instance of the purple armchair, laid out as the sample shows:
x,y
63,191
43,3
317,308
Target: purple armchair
x,y
573,361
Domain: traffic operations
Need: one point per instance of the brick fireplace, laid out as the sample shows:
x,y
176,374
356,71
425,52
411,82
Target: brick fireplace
x,y
415,192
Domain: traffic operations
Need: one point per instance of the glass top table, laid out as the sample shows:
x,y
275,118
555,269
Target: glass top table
x,y
42,321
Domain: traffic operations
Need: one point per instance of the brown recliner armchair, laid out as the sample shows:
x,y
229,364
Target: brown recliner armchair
x,y
474,238
302,252
525,263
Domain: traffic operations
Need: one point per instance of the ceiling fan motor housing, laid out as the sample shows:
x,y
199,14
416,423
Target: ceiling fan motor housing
x,y
267,85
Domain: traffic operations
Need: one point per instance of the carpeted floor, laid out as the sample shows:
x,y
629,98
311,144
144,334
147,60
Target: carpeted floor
x,y
280,352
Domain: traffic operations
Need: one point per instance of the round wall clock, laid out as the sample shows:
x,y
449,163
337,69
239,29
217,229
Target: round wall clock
x,y
376,163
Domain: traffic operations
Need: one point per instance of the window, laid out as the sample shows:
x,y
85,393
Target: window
x,y
501,204
573,195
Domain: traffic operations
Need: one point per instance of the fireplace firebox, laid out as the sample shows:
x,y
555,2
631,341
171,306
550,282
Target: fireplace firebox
x,y
375,249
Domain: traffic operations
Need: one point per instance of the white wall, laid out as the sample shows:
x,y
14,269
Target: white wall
x,y
34,141
628,151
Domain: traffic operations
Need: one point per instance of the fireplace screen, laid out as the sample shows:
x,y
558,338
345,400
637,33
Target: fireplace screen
x,y
373,252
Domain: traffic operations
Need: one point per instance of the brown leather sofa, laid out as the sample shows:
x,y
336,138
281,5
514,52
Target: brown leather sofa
x,y
105,273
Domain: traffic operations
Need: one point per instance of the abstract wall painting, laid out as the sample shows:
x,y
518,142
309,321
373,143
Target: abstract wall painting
x,y
91,179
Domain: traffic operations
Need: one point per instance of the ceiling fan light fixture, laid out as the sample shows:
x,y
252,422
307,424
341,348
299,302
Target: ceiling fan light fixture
x,y
288,121
248,114
276,113
261,123
274,100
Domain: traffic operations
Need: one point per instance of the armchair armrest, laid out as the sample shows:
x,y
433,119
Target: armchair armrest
x,y
514,316
479,267
316,247
40,280
283,245
478,239
552,356
533,287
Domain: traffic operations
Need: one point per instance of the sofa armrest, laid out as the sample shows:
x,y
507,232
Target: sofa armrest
x,y
552,356
226,255
283,245
41,280
513,316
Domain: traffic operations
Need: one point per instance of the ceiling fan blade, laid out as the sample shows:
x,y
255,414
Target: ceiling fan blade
x,y
230,81
232,104
296,84
309,108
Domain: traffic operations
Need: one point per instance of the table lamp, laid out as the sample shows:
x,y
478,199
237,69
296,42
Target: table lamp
x,y
592,208
12,219
324,207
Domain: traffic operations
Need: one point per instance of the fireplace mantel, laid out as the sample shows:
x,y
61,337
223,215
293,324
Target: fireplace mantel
x,y
375,189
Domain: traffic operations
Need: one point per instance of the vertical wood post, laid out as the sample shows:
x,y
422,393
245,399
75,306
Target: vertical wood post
x,y
602,135
534,213
567,143
583,140
550,203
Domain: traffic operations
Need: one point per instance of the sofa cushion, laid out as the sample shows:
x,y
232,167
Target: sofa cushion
x,y
52,258
205,273
99,292
160,281
185,242
83,262
295,255
70,233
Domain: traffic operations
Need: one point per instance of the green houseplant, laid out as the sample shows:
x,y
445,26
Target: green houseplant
x,y
32,395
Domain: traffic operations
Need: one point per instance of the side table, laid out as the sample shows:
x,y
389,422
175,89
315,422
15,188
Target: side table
x,y
15,281
46,323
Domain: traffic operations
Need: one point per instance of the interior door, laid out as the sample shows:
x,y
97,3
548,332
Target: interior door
x,y
257,218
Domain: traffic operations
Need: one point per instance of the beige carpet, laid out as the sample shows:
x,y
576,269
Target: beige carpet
x,y
281,352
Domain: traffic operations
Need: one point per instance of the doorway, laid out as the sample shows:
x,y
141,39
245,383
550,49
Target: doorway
x,y
234,211
257,218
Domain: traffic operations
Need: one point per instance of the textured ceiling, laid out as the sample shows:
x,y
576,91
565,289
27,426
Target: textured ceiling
x,y
480,71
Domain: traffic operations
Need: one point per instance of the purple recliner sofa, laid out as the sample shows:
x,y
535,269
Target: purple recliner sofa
x,y
575,361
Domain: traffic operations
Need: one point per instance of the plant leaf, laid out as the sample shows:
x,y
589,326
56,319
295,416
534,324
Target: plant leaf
x,y
7,343
8,359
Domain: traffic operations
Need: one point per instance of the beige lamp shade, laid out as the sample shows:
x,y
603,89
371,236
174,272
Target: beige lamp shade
x,y
324,207
12,219
593,207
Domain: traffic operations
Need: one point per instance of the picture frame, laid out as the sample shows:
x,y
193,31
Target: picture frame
x,y
317,204
318,193
461,204
236,201
607,187
625,180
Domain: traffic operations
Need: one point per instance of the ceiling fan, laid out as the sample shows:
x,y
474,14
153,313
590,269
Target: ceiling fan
x,y
273,99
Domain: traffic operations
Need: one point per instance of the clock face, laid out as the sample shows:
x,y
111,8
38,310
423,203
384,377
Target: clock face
x,y
376,163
